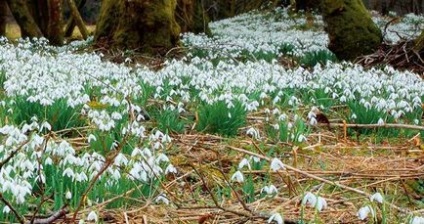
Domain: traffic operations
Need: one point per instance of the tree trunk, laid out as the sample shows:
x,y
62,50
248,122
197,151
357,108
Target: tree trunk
x,y
191,17
77,18
419,43
23,17
351,31
54,32
307,5
148,26
70,25
3,18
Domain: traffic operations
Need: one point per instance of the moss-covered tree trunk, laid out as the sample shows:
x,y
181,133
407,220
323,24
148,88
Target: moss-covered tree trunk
x,y
419,43
350,28
148,26
3,18
192,17
23,16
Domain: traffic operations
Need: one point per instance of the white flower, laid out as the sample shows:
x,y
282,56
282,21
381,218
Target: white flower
x,y
253,133
309,199
238,177
162,199
45,125
364,211
276,165
244,162
277,218
92,216
170,169
377,197
6,209
380,122
414,220
321,204
68,195
271,189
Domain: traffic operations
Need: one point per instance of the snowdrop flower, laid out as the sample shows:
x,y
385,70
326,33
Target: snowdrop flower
x,y
377,197
276,165
92,216
254,133
271,189
380,122
170,169
309,199
255,159
244,162
238,177
68,195
321,204
414,220
162,199
277,218
6,209
91,138
364,211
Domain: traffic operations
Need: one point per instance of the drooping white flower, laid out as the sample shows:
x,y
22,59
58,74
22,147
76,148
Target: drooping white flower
x,y
271,189
321,204
92,216
68,195
238,177
417,220
276,165
6,209
162,199
380,121
363,212
254,133
309,199
377,197
277,218
170,169
244,162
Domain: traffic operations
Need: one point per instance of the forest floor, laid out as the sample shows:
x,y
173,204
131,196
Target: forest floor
x,y
259,123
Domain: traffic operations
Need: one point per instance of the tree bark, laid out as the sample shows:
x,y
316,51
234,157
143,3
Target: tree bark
x,y
148,26
77,18
351,31
23,17
191,17
54,32
3,18
70,25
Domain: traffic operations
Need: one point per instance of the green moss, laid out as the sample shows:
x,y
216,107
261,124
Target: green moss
x,y
350,28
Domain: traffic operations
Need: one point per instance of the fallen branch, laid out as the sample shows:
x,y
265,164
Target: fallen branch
x,y
55,216
400,126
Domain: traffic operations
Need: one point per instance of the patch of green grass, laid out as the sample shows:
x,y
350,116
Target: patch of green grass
x,y
310,59
169,121
59,115
219,118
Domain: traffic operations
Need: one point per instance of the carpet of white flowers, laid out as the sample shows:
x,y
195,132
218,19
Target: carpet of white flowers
x,y
73,125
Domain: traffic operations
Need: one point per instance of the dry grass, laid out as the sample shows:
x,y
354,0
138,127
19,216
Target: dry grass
x,y
351,172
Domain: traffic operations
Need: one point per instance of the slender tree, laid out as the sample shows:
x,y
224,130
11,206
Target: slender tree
x,y
3,18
